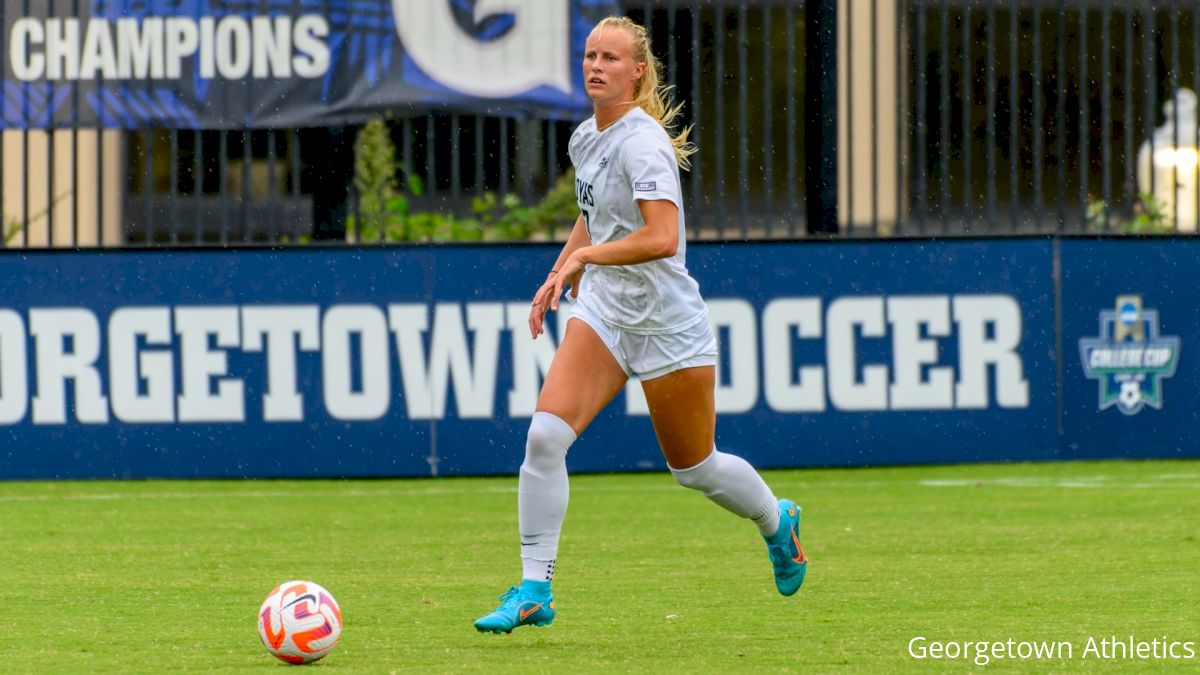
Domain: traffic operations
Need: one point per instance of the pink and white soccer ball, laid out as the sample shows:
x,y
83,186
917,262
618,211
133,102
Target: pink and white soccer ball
x,y
299,622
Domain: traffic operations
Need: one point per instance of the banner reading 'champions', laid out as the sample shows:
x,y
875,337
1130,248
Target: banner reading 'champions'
x,y
286,63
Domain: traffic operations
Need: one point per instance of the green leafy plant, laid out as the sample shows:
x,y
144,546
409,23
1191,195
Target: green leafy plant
x,y
385,213
1150,216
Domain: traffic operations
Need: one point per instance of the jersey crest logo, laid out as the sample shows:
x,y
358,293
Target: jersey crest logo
x,y
604,162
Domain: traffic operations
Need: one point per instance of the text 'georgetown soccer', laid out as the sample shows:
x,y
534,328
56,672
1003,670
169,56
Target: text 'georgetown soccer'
x,y
164,364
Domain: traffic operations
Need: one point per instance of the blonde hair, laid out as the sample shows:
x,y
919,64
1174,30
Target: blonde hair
x,y
649,94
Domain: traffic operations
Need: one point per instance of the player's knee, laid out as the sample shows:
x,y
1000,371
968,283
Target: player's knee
x,y
547,442
541,450
699,477
686,479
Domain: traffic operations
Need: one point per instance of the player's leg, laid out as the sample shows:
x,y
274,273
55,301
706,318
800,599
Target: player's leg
x,y
683,411
583,378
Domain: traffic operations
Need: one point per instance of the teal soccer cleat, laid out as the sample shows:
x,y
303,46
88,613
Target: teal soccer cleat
x,y
519,606
784,548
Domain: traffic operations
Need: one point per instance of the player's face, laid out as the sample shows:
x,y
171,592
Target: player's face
x,y
609,71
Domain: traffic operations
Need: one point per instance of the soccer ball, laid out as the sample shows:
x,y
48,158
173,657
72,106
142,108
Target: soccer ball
x,y
299,622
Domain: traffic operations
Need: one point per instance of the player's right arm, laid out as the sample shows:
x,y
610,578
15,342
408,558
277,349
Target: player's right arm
x,y
541,300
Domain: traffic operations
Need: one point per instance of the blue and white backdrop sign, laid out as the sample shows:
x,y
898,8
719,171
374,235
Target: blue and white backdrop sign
x,y
417,360
283,63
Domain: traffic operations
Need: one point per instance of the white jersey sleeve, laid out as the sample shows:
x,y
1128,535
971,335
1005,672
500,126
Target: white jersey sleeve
x,y
648,159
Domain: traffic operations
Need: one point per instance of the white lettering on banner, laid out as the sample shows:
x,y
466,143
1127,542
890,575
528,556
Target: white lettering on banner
x,y
158,47
842,319
473,371
913,353
128,366
27,65
14,375
140,53
457,347
99,58
312,53
55,364
208,57
371,400
62,53
531,361
281,324
736,316
1131,356
534,52
807,394
182,40
199,365
233,55
974,314
635,397
272,52
409,323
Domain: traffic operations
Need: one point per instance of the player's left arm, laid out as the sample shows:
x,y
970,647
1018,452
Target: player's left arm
x,y
658,238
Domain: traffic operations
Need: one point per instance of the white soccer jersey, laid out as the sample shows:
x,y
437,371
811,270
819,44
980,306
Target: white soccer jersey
x,y
632,160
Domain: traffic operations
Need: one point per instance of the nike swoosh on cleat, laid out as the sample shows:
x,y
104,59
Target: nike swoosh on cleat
x,y
526,612
799,557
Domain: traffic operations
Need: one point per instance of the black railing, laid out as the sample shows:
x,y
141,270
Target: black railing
x,y
1032,117
953,117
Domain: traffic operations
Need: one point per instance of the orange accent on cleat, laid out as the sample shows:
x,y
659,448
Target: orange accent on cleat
x,y
799,557
526,612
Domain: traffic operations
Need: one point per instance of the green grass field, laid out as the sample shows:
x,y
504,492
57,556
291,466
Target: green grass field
x,y
168,575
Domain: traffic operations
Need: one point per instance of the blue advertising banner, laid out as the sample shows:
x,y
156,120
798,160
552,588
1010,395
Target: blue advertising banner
x,y
417,361
1131,323
216,64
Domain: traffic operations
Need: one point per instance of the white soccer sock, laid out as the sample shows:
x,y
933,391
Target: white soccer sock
x,y
733,484
542,492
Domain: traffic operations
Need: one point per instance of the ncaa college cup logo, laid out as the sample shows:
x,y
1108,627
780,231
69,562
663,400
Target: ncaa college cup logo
x,y
535,52
1129,358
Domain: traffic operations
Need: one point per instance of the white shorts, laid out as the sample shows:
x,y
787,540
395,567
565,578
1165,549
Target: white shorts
x,y
651,356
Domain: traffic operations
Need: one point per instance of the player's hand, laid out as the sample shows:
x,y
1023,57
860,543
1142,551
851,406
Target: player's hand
x,y
539,307
568,276
547,296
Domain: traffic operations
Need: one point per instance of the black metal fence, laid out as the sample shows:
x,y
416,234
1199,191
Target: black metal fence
x,y
953,117
1033,117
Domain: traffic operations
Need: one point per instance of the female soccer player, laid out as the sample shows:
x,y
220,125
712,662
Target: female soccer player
x,y
637,311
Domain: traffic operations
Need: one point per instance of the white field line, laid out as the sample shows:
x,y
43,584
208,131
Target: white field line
x,y
1186,481
250,494
1103,482
415,491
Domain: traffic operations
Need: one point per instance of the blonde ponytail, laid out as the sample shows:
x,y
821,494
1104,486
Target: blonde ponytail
x,y
648,92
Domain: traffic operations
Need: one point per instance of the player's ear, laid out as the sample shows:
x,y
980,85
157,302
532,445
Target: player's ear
x,y
639,70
